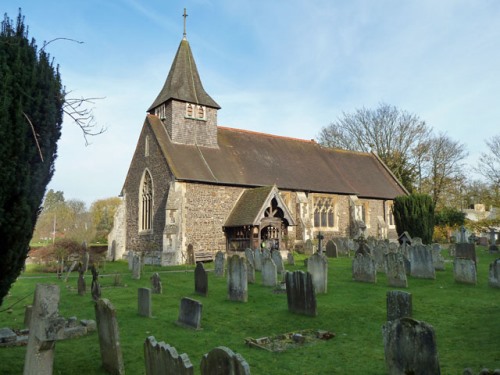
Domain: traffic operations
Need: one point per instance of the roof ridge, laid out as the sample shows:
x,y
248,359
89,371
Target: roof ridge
x,y
267,134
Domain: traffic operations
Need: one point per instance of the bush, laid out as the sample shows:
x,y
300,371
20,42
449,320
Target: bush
x,y
414,214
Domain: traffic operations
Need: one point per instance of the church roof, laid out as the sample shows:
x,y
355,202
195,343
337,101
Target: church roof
x,y
251,159
183,81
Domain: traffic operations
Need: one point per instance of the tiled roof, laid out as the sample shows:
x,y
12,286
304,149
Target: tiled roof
x,y
247,208
252,159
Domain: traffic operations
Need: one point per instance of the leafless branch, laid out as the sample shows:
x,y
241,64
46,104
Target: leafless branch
x,y
45,44
34,135
82,115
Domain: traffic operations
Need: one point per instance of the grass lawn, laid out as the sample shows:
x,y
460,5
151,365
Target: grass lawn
x,y
466,320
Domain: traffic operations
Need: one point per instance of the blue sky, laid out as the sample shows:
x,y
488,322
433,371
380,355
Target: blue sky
x,y
286,67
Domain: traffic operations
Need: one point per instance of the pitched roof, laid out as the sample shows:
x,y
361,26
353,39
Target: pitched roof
x,y
246,158
183,81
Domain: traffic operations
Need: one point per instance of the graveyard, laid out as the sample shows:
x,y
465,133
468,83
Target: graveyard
x,y
464,317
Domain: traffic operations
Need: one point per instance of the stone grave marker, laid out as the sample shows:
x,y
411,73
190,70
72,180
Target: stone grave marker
x,y
421,262
290,259
109,337
266,254
493,242
156,285
395,270
416,241
130,259
250,256
220,259
410,347
269,273
237,279
144,302
190,313
250,273
437,258
278,261
466,251
86,259
398,305
257,259
331,249
308,247
494,274
223,361
136,267
200,280
161,358
364,268
464,271
46,326
28,310
393,247
317,266
95,287
452,249
300,293
379,250
81,286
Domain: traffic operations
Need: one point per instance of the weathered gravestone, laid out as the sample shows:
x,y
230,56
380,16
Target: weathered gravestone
x,y
200,280
466,251
493,242
95,287
190,313
144,302
220,259
28,311
161,358
300,293
237,279
250,256
363,268
109,337
464,271
317,266
156,285
223,361
278,261
250,273
257,258
452,249
331,249
46,326
136,267
395,269
421,262
494,274
269,273
379,250
437,258
398,305
308,247
86,259
81,287
290,259
410,348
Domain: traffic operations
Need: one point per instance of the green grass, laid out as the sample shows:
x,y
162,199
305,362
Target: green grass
x,y
466,320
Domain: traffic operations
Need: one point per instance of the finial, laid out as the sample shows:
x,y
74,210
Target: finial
x,y
185,16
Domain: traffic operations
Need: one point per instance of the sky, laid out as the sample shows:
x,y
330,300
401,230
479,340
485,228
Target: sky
x,y
285,67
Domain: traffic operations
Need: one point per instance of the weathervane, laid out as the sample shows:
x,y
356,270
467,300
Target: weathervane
x,y
185,16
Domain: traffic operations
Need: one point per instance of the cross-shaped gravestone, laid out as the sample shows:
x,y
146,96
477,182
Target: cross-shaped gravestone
x,y
320,237
462,235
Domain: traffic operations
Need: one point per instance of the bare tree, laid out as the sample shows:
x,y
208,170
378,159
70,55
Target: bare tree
x,y
489,165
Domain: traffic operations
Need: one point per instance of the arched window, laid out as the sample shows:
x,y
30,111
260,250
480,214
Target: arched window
x,y
146,204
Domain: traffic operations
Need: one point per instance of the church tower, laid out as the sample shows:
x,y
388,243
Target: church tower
x,y
188,113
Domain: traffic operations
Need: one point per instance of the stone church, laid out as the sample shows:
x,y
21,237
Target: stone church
x,y
195,187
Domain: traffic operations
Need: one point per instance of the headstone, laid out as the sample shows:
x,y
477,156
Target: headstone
x,y
290,259
109,337
308,247
300,293
95,287
136,267
464,271
421,262
250,273
493,242
7,335
466,251
190,313
130,259
266,254
379,250
269,273
437,258
494,274
156,285
278,261
86,259
452,249
395,270
405,238
363,268
161,358
410,348
223,361
257,259
220,259
144,302
46,326
237,280
250,256
398,305
416,241
28,310
200,280
393,247
317,266
463,238
82,288
331,249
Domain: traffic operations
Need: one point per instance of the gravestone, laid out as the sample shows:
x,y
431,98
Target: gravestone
x,y
130,260
421,262
266,254
237,279
28,310
109,337
494,274
190,313
250,256
437,258
395,270
161,358
464,271
410,348
317,266
136,267
46,326
144,302
223,361
81,287
257,258
393,247
466,251
269,273
220,259
250,273
95,287
493,242
300,293
398,305
86,259
416,241
331,249
452,249
364,268
308,247
290,259
278,261
379,250
156,285
405,238
200,280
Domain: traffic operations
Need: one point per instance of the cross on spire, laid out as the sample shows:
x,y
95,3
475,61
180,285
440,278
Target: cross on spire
x,y
185,16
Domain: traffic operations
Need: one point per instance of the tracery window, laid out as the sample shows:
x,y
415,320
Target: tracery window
x,y
146,206
324,212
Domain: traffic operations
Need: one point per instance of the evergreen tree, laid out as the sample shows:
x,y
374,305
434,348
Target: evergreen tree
x,y
414,214
31,111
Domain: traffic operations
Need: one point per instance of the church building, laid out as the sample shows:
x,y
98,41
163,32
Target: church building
x,y
195,187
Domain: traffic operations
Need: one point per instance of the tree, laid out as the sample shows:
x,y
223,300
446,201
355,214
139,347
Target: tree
x,y
103,213
489,165
414,214
398,137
